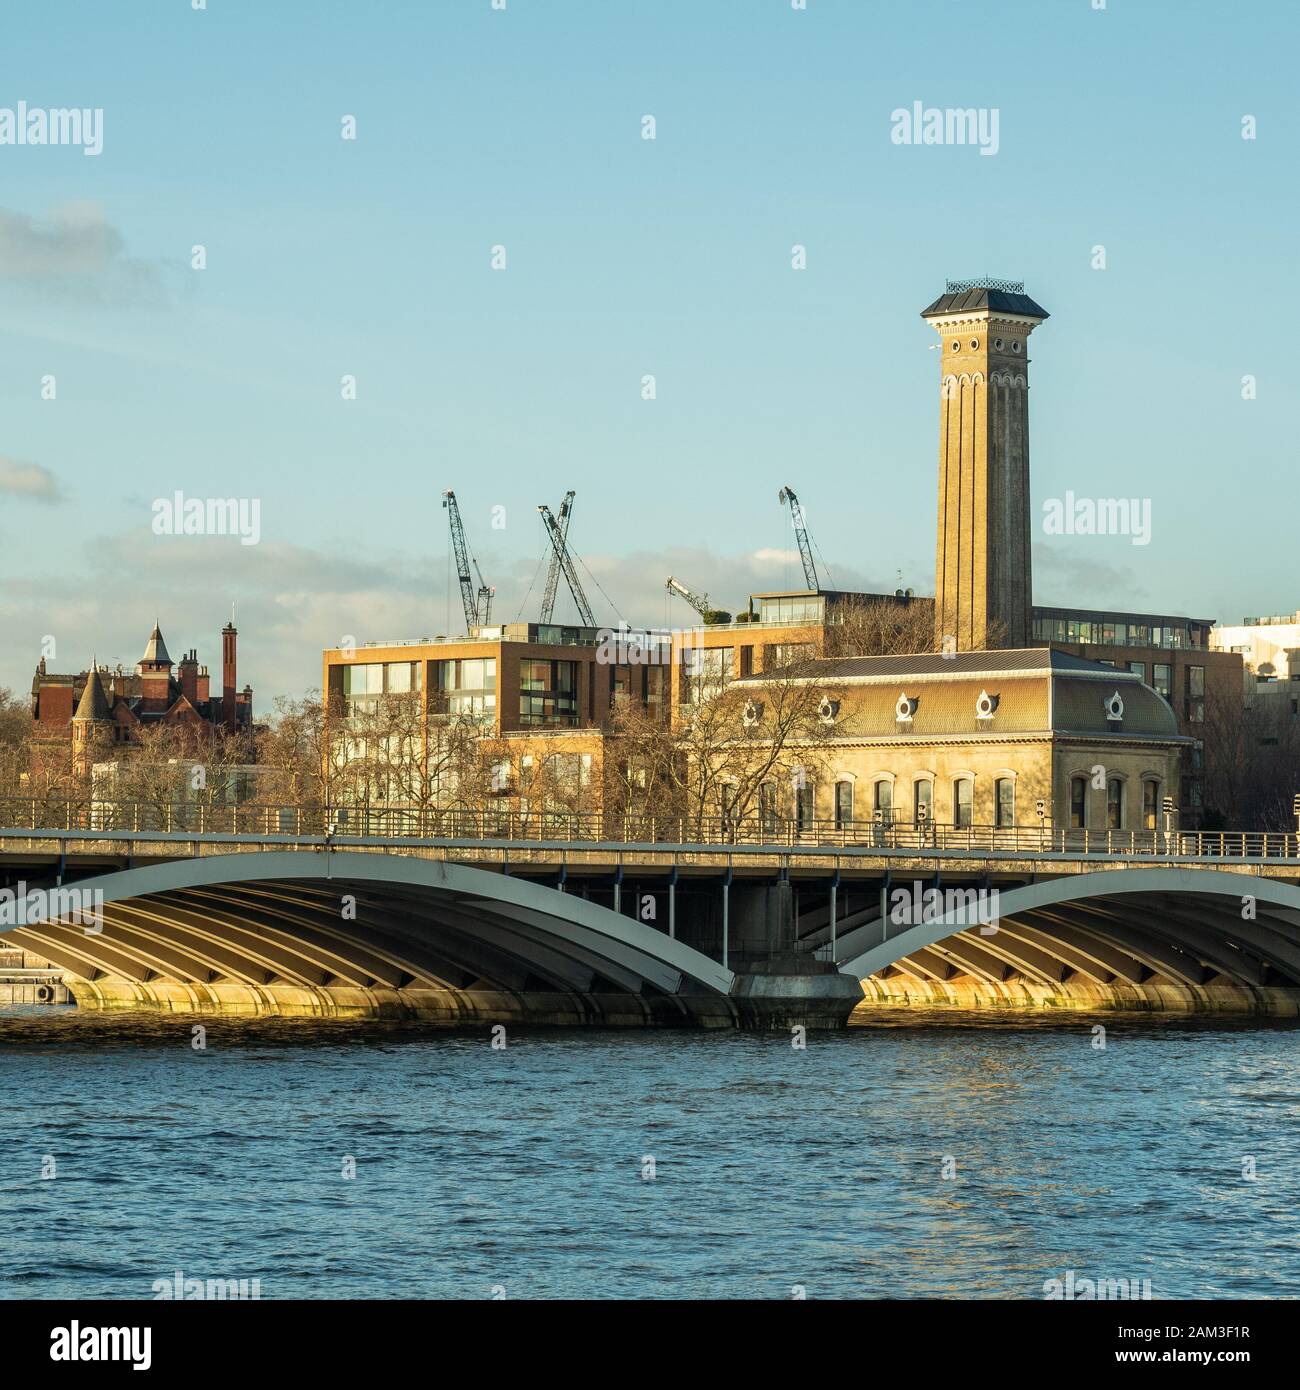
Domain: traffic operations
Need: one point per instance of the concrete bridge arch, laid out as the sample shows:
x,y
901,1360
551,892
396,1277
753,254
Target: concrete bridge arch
x,y
338,933
1160,937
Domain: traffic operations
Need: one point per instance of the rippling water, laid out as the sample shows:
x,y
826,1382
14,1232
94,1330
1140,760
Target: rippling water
x,y
523,1168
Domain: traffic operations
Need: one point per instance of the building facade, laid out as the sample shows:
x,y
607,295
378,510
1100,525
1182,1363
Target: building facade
x,y
103,708
1004,739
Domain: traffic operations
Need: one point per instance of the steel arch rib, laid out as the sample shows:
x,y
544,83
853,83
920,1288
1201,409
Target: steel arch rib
x,y
1104,886
571,919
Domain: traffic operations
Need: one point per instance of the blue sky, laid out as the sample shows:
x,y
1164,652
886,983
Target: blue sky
x,y
478,127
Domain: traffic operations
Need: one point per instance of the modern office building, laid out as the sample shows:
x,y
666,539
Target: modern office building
x,y
538,698
1269,648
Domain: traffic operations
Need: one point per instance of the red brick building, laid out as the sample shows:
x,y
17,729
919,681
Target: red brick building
x,y
112,705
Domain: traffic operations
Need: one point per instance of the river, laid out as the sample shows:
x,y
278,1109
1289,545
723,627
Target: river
x,y
939,1156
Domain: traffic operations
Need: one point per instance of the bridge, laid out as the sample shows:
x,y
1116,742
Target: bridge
x,y
496,919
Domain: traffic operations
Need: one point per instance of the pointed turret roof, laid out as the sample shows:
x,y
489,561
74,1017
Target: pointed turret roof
x,y
93,705
156,653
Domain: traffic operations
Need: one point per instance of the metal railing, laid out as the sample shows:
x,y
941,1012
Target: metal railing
x,y
22,818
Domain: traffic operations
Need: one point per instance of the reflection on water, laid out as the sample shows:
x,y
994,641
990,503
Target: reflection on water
x,y
773,1167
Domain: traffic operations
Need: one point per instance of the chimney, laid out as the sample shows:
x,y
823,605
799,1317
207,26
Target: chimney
x,y
188,671
228,635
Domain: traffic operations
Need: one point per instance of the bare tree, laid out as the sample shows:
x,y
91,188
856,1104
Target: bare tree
x,y
750,736
879,627
644,768
1252,762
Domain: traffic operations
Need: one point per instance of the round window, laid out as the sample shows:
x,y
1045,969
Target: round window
x,y
997,344
956,346
1015,346
974,344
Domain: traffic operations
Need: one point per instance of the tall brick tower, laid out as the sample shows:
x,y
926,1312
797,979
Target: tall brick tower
x,y
229,634
983,584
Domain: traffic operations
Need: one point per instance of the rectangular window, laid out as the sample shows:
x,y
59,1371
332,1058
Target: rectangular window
x,y
657,685
962,802
706,673
1006,802
1139,668
1196,694
1078,802
843,805
790,654
803,807
465,687
548,693
1114,804
1151,804
1162,679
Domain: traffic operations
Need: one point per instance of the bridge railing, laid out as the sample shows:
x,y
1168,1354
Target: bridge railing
x,y
280,822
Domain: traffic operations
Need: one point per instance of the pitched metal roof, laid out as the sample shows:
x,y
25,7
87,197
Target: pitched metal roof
x,y
997,301
155,652
93,704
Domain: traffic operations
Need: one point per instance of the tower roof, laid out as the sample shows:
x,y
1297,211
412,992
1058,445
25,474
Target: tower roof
x,y
998,296
93,704
156,653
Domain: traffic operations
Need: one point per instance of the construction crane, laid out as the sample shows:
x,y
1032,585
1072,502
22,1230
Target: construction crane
x,y
699,602
565,561
478,607
553,574
801,535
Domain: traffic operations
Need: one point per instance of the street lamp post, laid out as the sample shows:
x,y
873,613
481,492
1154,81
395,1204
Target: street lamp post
x,y
1169,816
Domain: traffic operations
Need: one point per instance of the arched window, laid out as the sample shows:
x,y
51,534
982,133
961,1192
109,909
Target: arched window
x,y
884,801
1114,803
1151,803
963,798
843,805
1078,803
1005,801
923,801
